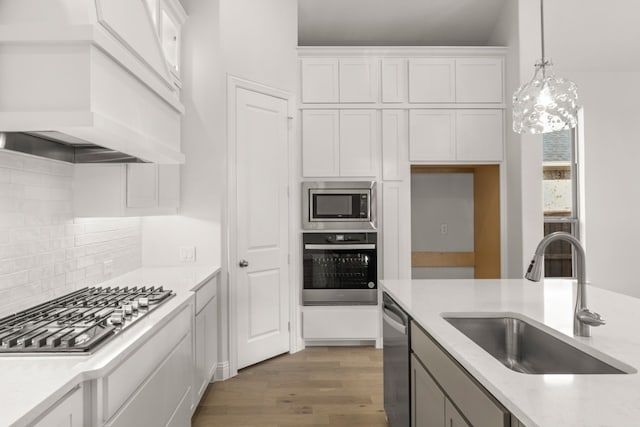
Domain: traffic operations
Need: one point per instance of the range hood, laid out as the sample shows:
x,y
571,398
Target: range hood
x,y
90,75
53,145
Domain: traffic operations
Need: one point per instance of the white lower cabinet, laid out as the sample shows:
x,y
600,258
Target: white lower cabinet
x,y
206,338
68,412
153,385
443,394
341,323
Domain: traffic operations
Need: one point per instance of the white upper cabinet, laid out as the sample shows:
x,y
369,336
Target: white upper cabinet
x,y
456,80
394,80
432,135
479,80
330,80
358,80
358,143
465,135
320,143
479,135
132,189
339,143
432,80
168,16
395,142
319,79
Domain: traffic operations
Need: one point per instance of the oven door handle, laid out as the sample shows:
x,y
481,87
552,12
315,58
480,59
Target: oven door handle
x,y
340,247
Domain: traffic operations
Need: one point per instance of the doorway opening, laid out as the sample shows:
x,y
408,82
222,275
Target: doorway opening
x,y
455,221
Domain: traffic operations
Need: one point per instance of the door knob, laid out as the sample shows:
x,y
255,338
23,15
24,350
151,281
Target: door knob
x,y
243,263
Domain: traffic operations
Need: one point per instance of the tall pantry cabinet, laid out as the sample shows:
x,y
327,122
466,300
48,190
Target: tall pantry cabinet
x,y
372,113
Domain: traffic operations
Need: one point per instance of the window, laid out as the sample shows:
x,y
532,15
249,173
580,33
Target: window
x,y
560,198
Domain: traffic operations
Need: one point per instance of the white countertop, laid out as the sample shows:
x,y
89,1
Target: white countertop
x,y
537,400
32,383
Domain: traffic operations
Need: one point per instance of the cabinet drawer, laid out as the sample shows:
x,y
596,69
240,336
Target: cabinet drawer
x,y
473,401
206,292
353,323
125,379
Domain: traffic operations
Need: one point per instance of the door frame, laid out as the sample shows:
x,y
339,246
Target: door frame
x,y
230,258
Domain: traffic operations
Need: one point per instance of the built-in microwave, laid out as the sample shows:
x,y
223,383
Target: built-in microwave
x,y
335,205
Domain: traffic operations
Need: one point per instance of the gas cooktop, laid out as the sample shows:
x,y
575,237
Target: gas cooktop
x,y
80,321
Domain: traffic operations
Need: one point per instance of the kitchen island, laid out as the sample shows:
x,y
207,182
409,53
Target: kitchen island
x,y
35,383
536,400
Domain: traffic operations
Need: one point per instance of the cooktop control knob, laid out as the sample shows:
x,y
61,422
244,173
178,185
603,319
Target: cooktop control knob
x,y
143,302
117,317
128,309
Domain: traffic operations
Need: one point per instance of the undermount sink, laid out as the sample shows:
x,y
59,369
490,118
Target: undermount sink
x,y
523,347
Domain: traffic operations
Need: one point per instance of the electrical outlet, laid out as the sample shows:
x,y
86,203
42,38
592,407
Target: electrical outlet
x,y
107,267
444,228
187,253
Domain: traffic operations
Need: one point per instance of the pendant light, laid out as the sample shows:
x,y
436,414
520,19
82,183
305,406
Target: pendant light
x,y
547,103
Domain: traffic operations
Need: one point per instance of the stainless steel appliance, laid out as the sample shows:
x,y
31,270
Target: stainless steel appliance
x,y
339,269
395,340
80,321
333,205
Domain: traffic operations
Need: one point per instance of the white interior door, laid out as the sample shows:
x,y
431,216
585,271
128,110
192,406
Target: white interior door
x,y
261,131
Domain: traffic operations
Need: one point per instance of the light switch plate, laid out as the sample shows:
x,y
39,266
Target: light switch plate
x,y
187,253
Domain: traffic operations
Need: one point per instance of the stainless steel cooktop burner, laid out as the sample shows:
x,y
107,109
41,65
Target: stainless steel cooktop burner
x,y
78,322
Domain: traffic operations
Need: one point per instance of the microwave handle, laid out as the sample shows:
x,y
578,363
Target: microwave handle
x,y
339,247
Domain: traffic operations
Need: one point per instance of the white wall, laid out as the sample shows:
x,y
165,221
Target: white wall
x,y
612,196
44,251
203,176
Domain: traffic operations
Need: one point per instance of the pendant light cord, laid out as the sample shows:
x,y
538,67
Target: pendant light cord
x,y
544,60
542,28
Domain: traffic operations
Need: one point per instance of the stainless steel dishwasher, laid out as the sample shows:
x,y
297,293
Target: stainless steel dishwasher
x,y
395,339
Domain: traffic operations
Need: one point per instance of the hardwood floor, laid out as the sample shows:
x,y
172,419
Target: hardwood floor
x,y
319,386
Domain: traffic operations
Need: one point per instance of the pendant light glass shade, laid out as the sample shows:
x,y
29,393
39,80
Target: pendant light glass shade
x,y
547,103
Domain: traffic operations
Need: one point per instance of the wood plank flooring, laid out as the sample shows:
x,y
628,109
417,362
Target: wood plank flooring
x,y
319,386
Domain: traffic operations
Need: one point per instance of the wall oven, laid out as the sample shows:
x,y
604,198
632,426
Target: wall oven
x,y
334,205
339,269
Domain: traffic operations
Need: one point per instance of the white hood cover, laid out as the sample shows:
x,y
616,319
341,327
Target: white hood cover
x,y
89,72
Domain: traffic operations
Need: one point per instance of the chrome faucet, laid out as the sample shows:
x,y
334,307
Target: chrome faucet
x,y
583,317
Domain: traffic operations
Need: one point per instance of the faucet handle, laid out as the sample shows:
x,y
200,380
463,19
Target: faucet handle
x,y
590,318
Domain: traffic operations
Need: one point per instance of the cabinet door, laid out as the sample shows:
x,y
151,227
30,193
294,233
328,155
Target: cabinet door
x,y
168,186
453,418
427,400
479,135
432,80
394,80
358,80
432,135
68,412
142,185
358,147
319,80
479,80
320,143
395,145
396,229
206,346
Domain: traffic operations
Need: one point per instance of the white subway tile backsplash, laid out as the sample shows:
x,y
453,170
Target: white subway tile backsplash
x,y
44,251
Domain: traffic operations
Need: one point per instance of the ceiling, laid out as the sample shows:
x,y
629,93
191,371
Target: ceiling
x,y
396,22
580,34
